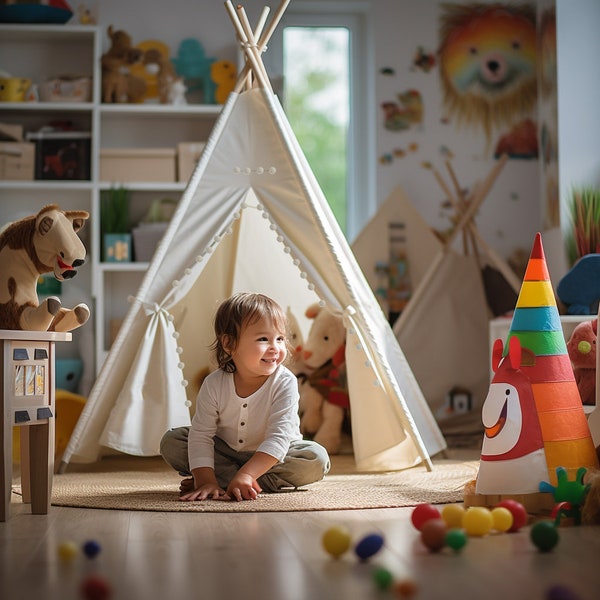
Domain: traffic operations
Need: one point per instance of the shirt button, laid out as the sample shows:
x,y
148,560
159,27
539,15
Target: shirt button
x,y
242,423
240,441
245,405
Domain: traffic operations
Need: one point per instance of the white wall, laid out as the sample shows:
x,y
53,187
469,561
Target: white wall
x,y
510,215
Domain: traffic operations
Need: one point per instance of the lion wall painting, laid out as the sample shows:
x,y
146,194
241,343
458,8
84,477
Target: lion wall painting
x,y
487,65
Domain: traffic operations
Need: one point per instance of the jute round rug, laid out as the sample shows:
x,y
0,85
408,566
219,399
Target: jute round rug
x,y
148,484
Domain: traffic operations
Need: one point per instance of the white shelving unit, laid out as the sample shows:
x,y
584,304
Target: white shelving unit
x,y
40,52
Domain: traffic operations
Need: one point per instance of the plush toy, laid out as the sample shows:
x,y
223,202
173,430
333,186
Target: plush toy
x,y
42,243
581,348
324,399
118,84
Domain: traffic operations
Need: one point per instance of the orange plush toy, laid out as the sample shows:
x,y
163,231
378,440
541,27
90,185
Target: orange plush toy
x,y
581,348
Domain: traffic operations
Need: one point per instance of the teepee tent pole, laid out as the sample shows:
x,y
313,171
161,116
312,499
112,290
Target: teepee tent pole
x,y
465,218
263,39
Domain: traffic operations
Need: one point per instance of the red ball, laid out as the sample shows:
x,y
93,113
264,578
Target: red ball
x,y
518,512
95,588
423,513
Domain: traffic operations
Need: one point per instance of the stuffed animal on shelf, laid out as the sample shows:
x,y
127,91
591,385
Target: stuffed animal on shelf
x,y
42,243
118,84
165,74
581,348
324,398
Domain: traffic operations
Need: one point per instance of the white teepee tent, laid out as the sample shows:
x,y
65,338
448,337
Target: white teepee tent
x,y
252,218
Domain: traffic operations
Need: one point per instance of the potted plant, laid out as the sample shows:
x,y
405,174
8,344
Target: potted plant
x,y
583,235
114,224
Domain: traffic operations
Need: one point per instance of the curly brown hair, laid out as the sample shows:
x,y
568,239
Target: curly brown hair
x,y
234,314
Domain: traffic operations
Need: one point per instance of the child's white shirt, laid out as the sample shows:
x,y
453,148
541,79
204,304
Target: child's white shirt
x,y
266,421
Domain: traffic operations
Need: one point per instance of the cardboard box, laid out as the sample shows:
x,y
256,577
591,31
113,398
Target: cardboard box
x,y
10,132
137,164
188,155
62,155
17,161
66,89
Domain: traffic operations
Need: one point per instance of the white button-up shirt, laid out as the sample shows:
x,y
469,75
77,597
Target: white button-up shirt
x,y
266,421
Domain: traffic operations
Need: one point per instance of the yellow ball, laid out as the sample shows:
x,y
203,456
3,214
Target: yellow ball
x,y
477,521
67,551
502,518
336,540
453,515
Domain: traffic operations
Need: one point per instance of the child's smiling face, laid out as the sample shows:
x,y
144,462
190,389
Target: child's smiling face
x,y
260,349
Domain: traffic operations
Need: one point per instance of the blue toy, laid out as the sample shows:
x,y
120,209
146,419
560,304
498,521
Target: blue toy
x,y
579,289
194,66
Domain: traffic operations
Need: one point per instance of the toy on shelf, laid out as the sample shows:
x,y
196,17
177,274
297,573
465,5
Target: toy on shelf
x,y
118,83
582,352
533,417
195,67
224,75
42,243
324,399
579,289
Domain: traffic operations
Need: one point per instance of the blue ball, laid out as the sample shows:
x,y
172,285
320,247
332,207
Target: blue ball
x,y
368,546
91,548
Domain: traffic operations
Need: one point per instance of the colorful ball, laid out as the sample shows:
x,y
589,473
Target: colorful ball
x,y
433,534
91,548
518,512
456,539
477,521
405,588
453,515
544,535
383,578
369,546
67,551
95,587
336,541
502,518
423,513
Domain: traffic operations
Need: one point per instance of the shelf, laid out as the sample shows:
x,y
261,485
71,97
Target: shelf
x,y
47,106
44,184
123,267
145,186
164,110
44,33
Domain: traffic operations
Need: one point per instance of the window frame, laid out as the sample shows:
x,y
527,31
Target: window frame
x,y
355,16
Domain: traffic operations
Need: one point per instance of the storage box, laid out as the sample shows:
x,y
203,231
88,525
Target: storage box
x,y
146,237
117,247
137,164
61,154
67,88
188,154
17,160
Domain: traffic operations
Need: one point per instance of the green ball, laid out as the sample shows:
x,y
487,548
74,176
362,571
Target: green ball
x,y
383,578
456,539
544,535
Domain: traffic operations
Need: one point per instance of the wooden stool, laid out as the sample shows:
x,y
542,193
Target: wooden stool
x,y
27,383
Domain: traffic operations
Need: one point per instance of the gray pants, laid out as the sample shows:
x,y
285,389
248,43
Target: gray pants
x,y
305,462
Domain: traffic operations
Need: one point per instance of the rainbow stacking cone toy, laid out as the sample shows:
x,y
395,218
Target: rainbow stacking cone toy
x,y
533,416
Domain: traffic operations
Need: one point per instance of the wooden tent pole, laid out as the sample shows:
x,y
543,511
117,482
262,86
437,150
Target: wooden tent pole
x,y
466,216
252,50
494,258
263,39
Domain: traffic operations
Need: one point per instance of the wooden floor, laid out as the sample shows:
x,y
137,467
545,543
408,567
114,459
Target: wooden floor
x,y
277,556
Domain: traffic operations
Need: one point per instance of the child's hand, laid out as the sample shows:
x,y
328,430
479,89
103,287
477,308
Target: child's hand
x,y
243,487
207,490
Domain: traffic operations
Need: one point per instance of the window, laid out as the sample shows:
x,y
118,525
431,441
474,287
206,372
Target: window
x,y
317,60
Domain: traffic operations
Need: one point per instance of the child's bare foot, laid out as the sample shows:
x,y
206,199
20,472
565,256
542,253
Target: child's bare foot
x,y
187,485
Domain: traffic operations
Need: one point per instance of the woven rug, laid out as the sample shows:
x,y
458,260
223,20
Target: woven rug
x,y
147,484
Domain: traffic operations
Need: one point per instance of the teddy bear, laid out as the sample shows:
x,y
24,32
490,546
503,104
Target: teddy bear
x,y
581,349
118,84
42,243
320,365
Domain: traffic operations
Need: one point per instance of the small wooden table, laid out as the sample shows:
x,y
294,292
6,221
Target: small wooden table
x,y
28,395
